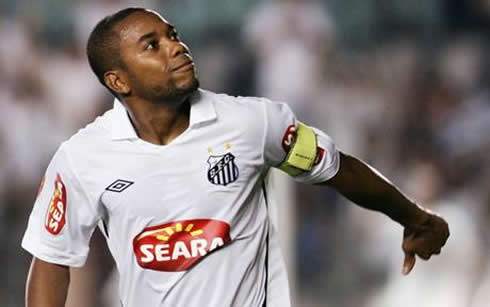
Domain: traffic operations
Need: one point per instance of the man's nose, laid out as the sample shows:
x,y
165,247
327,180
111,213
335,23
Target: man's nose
x,y
177,49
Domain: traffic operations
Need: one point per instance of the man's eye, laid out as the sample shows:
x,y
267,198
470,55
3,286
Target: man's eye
x,y
174,36
151,45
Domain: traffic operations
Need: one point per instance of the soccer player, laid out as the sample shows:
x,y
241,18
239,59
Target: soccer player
x,y
174,176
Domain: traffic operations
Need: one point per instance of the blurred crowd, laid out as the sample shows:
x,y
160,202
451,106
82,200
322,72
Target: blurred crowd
x,y
402,85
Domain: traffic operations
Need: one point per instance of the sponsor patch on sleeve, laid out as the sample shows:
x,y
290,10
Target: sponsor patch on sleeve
x,y
55,217
320,152
288,138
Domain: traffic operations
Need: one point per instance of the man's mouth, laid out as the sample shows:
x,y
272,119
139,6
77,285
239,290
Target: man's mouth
x,y
188,65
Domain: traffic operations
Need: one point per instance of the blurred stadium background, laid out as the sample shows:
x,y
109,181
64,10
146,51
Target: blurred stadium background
x,y
401,84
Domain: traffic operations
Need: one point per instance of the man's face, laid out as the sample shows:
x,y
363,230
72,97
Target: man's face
x,y
158,65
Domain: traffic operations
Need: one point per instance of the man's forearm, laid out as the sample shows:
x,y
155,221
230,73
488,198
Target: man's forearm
x,y
369,189
47,284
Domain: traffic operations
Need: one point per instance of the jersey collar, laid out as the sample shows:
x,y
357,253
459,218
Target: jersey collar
x,y
202,111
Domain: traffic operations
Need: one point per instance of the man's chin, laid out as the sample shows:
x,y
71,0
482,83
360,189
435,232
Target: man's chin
x,y
189,88
178,93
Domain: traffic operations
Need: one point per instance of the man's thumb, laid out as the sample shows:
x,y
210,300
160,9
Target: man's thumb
x,y
408,263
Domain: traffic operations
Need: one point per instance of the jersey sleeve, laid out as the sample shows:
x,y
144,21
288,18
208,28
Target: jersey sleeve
x,y
63,217
280,133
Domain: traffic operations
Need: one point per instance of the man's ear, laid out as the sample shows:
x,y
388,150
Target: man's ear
x,y
116,82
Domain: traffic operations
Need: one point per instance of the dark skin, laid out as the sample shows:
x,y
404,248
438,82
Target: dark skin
x,y
47,284
425,233
156,81
157,78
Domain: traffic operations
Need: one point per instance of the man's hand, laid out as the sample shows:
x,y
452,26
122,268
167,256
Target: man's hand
x,y
424,240
425,232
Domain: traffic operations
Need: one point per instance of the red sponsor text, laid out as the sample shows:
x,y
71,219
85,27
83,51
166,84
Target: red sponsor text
x,y
55,217
176,246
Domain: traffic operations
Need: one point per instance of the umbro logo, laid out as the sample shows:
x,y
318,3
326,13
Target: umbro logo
x,y
119,185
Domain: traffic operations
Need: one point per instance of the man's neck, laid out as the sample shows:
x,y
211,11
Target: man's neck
x,y
159,123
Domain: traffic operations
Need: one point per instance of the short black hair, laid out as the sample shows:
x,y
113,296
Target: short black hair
x,y
103,44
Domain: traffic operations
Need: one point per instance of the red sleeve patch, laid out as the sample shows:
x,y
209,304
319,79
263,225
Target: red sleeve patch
x,y
288,138
55,217
320,152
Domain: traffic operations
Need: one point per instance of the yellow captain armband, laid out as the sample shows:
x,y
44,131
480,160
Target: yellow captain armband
x,y
302,154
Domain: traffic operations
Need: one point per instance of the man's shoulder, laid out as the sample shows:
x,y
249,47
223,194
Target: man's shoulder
x,y
249,110
223,100
92,137
239,109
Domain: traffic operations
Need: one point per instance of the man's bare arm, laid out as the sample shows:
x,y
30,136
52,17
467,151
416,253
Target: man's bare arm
x,y
425,233
47,284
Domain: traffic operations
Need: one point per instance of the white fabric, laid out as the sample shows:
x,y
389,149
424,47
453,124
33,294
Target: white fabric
x,y
170,184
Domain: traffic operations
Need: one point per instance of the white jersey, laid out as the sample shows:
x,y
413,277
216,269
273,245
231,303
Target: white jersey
x,y
186,223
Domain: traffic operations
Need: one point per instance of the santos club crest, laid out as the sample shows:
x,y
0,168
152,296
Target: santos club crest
x,y
222,169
